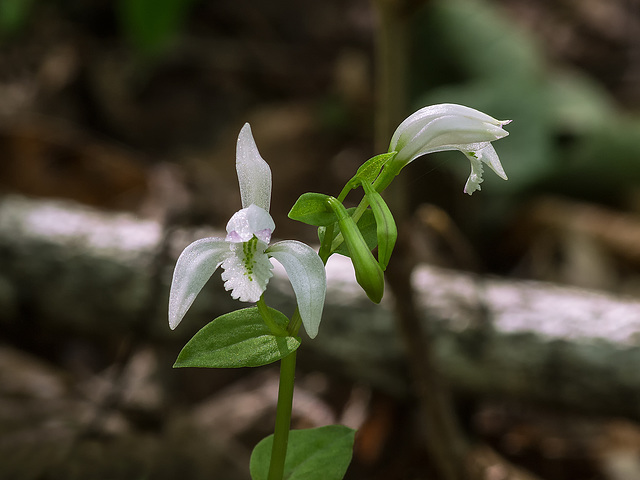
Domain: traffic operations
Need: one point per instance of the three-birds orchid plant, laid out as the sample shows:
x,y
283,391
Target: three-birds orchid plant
x,y
260,335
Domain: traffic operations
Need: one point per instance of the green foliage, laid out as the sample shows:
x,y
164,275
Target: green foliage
x,y
367,225
370,169
151,24
13,15
315,454
368,272
312,209
238,339
386,230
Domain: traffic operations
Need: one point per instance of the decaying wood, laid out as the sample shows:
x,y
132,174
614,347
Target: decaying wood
x,y
65,268
618,232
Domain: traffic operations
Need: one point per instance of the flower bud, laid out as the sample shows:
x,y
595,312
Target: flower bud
x,y
368,272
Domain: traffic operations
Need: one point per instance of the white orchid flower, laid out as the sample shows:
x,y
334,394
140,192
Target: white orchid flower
x,y
450,127
244,253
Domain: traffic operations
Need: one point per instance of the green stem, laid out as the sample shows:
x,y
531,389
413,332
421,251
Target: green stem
x,y
343,194
294,324
387,175
325,248
283,417
268,319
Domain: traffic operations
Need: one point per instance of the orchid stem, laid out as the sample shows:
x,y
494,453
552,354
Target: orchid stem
x,y
285,393
283,417
268,319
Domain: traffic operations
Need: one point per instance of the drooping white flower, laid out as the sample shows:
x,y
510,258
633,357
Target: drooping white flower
x,y
450,127
244,253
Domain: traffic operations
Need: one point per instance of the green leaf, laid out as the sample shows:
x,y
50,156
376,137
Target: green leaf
x,y
315,454
370,169
237,339
386,230
367,226
312,209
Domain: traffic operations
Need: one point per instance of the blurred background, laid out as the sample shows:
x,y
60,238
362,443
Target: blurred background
x,y
118,123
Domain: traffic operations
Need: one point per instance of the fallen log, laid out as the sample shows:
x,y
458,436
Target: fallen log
x,y
66,268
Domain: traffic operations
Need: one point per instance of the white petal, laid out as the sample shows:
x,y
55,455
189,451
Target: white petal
x,y
247,271
475,178
408,129
250,221
489,156
254,174
450,133
195,266
308,278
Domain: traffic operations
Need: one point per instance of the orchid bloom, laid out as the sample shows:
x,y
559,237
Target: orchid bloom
x,y
244,253
450,127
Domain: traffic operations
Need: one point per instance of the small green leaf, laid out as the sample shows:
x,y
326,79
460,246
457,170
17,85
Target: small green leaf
x,y
312,209
367,226
386,230
370,169
368,272
315,454
237,339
